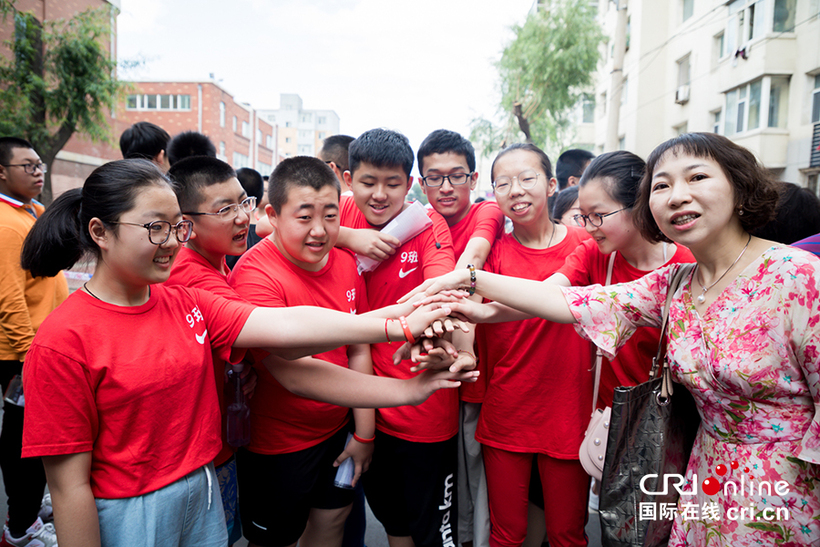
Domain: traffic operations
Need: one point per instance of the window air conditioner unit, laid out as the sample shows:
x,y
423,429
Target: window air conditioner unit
x,y
682,94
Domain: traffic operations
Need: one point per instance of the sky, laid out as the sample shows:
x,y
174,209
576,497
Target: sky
x,y
412,66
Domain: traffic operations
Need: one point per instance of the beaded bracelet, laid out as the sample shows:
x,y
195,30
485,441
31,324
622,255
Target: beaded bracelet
x,y
364,441
408,334
471,290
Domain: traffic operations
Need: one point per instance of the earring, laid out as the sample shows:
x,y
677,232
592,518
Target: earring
x,y
740,212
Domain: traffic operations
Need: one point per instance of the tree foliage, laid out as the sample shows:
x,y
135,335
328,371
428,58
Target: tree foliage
x,y
59,80
543,73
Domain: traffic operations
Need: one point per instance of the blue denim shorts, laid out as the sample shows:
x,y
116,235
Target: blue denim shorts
x,y
185,513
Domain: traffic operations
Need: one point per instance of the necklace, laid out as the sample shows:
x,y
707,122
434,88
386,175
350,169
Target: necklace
x,y
702,296
85,286
554,228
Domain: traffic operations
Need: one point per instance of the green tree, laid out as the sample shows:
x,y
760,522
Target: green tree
x,y
59,80
543,73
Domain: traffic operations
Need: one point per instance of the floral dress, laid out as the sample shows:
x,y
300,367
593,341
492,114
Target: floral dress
x,y
752,362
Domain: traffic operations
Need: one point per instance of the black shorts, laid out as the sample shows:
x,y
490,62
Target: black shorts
x,y
278,491
411,489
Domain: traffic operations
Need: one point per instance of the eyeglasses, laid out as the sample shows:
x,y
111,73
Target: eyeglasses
x,y
456,179
596,219
526,179
30,168
247,205
159,231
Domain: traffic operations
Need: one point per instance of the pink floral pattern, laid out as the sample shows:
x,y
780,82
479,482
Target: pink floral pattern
x,y
752,363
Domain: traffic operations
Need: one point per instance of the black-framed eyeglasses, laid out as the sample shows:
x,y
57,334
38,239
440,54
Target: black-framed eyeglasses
x,y
247,205
30,168
596,219
526,179
159,231
456,179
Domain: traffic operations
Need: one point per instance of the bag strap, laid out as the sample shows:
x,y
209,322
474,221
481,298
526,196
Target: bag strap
x,y
599,356
682,271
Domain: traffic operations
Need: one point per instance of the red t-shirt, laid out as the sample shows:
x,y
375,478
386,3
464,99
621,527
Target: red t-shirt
x,y
485,220
427,255
132,385
539,388
191,269
282,422
587,266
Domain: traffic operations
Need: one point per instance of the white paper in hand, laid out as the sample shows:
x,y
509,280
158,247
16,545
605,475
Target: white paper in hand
x,y
407,225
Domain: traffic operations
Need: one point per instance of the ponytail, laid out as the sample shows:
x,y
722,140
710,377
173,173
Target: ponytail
x,y
56,240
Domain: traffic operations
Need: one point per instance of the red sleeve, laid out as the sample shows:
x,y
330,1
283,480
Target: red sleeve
x,y
577,267
438,253
349,214
489,222
362,304
225,319
58,391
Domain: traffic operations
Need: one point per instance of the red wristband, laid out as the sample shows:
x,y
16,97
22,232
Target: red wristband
x,y
364,441
408,334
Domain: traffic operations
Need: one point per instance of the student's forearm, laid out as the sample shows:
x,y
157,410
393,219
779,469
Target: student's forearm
x,y
359,359
323,381
475,253
75,511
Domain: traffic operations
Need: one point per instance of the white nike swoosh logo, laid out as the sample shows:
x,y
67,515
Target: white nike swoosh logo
x,y
403,274
201,337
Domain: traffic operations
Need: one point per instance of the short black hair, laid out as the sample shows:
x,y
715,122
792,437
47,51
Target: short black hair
x,y
251,180
563,202
192,174
299,171
8,144
190,143
571,164
336,149
798,215
442,141
381,148
546,165
143,140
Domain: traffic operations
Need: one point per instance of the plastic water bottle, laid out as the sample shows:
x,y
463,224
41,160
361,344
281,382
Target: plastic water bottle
x,y
346,470
239,413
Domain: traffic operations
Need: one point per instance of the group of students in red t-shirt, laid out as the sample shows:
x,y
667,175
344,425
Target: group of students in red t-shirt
x,y
120,366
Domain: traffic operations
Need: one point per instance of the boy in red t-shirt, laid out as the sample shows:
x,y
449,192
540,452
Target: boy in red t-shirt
x,y
286,473
411,482
212,197
447,167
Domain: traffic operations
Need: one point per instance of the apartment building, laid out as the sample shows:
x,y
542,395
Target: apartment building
x,y
747,69
301,131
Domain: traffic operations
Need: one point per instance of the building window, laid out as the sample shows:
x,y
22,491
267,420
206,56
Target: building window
x,y
603,104
624,90
321,135
588,108
240,161
221,154
259,136
305,149
263,168
246,129
688,9
287,124
145,101
811,183
815,100
269,141
287,139
234,124
306,118
683,71
784,15
779,102
743,105
622,143
716,121
321,120
221,114
745,24
681,129
720,45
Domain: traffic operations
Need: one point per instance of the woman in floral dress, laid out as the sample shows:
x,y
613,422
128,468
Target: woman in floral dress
x,y
744,338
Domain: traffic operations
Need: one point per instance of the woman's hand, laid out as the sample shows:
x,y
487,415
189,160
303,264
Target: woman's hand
x,y
434,317
457,279
428,382
461,307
